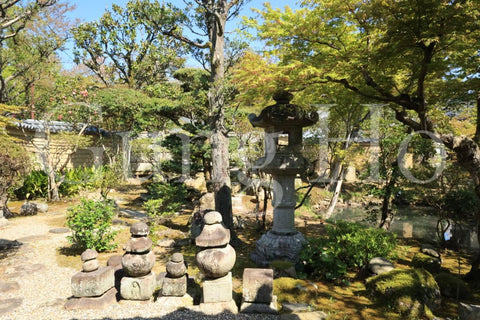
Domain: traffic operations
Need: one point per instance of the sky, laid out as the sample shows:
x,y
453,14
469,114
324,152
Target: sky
x,y
90,10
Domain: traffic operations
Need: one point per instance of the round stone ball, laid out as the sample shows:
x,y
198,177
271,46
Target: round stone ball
x,y
177,257
212,217
138,265
89,254
176,269
90,265
139,229
216,262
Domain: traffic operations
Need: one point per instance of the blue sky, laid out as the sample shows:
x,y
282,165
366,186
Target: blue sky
x,y
89,10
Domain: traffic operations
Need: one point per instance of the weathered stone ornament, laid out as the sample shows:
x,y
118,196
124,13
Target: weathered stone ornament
x,y
215,260
283,123
93,287
139,281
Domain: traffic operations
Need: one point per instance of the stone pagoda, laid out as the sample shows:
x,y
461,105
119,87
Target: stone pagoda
x,y
215,260
283,159
139,281
94,286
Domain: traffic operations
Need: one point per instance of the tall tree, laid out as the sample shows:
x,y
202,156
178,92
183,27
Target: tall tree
x,y
418,57
14,17
207,19
120,47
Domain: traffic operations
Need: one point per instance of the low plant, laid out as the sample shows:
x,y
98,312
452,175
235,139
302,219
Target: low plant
x,y
77,179
91,222
164,199
34,186
345,246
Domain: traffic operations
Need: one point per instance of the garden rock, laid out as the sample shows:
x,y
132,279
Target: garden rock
x,y
314,315
42,207
7,305
411,292
379,265
431,251
468,311
207,201
428,262
450,285
296,307
28,209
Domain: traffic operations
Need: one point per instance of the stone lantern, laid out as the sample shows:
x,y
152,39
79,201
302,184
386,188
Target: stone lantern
x,y
283,123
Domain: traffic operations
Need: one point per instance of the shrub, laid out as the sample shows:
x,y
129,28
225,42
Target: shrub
x,y
164,199
76,180
91,222
34,186
345,245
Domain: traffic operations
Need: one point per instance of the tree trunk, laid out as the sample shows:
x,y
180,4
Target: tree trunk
x,y
219,140
53,194
4,211
388,214
333,201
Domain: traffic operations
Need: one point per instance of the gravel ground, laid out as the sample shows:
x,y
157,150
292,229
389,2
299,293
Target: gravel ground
x,y
32,280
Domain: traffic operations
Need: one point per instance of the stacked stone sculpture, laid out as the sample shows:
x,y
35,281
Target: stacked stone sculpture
x,y
258,291
215,260
175,282
174,289
138,282
93,287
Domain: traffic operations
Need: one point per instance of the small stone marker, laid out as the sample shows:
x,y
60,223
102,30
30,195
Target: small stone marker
x,y
174,285
175,281
93,287
258,291
139,281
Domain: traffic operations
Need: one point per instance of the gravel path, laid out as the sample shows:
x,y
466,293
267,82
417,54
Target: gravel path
x,y
34,287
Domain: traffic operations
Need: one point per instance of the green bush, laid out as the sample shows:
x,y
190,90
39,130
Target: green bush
x,y
34,186
345,245
91,223
164,199
78,179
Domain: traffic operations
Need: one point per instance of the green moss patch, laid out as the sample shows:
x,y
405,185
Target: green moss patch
x,y
452,286
411,292
421,260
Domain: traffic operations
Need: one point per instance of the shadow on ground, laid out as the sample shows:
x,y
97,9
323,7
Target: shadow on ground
x,y
190,314
8,247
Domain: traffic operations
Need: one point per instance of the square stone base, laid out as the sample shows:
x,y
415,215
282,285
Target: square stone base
x,y
93,284
258,285
253,307
140,288
107,299
215,308
175,287
218,290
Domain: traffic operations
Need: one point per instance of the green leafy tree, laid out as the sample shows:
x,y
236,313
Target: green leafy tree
x,y
19,21
417,57
14,165
121,48
207,18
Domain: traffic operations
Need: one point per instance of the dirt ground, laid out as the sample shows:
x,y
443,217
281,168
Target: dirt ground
x,y
338,301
